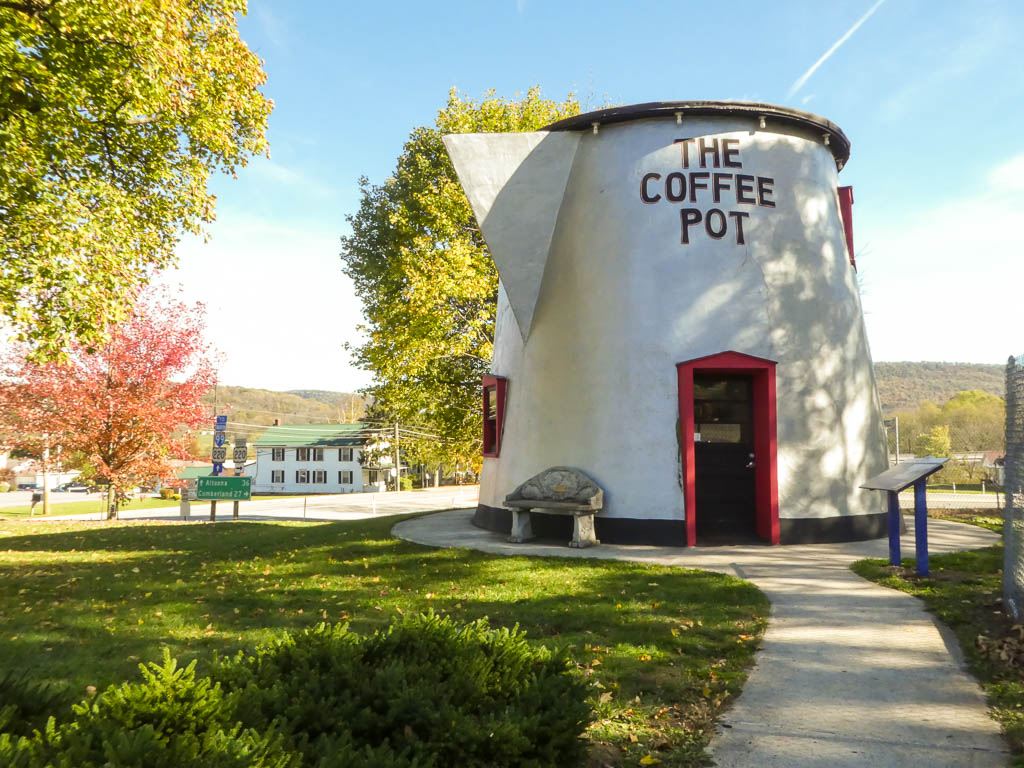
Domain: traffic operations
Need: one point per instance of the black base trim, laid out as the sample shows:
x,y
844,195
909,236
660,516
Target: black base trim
x,y
830,530
672,533
612,530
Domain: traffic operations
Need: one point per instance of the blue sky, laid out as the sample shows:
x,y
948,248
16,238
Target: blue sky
x,y
930,93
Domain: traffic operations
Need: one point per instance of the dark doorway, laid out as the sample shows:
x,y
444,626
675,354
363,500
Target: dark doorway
x,y
723,414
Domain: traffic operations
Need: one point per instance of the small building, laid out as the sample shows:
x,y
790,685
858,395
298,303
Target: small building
x,y
314,458
678,317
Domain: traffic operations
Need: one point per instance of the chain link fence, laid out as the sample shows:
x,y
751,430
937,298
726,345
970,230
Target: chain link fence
x,y
973,448
1013,486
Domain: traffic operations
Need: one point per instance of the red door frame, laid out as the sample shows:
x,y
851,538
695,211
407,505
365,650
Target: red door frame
x,y
766,482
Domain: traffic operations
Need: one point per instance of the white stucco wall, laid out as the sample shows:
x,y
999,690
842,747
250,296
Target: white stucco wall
x,y
265,465
623,301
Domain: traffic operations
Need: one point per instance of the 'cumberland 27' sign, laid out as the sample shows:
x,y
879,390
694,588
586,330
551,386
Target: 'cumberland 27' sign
x,y
728,191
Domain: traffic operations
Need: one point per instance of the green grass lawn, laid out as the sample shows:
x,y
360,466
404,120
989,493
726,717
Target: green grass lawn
x,y
83,603
96,506
964,592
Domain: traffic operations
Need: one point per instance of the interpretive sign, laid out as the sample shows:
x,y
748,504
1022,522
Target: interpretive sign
x,y
232,488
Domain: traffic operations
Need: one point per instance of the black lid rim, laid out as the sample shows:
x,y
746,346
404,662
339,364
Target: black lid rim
x,y
838,142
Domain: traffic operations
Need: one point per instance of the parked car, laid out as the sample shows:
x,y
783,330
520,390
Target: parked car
x,y
26,486
75,488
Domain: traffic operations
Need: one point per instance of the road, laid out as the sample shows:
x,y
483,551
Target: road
x,y
344,506
355,506
23,498
949,500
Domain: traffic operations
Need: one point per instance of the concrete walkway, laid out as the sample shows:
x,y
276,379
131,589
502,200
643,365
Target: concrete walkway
x,y
850,673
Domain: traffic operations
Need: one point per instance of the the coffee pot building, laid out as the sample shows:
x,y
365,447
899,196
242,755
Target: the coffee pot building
x,y
678,317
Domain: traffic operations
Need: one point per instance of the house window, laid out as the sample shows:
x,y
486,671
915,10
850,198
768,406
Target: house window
x,y
277,454
494,413
302,454
345,477
277,476
320,476
301,475
318,454
344,454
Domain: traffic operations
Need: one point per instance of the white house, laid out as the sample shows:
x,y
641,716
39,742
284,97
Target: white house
x,y
313,458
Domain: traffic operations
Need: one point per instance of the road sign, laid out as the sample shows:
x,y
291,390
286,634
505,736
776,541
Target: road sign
x,y
220,423
219,438
218,454
240,454
234,488
190,489
218,467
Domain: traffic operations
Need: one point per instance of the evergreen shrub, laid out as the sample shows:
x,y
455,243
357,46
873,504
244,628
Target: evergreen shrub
x,y
425,691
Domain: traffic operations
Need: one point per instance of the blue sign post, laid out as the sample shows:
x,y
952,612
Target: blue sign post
x,y
892,481
220,425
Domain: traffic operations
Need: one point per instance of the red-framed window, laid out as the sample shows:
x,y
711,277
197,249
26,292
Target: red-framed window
x,y
495,388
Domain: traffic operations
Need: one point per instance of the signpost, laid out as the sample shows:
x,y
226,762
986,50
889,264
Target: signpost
x,y
218,454
188,495
238,456
226,488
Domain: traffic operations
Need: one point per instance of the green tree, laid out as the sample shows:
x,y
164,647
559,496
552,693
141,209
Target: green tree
x,y
935,442
428,285
976,421
113,114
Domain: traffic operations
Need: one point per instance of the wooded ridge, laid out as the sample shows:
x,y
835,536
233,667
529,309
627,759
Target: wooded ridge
x,y
901,386
905,385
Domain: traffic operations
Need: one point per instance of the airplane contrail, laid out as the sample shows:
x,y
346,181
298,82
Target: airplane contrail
x,y
802,80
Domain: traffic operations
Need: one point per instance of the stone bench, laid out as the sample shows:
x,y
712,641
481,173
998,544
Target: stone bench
x,y
557,491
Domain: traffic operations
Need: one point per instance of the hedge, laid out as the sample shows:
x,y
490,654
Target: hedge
x,y
425,692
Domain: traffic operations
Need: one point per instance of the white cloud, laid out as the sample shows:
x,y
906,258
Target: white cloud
x,y
981,40
947,283
271,26
1009,176
282,175
279,307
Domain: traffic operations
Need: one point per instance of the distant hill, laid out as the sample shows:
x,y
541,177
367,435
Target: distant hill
x,y
904,386
323,395
901,386
262,406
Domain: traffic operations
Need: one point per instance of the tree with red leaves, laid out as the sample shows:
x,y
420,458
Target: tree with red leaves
x,y
126,406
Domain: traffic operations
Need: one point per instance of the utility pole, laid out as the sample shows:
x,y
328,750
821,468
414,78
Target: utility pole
x,y
397,460
897,420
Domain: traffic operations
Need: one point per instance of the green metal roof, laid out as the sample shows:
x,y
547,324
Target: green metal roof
x,y
191,473
300,435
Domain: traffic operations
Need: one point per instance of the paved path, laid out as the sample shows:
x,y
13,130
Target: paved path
x,y
339,506
850,673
